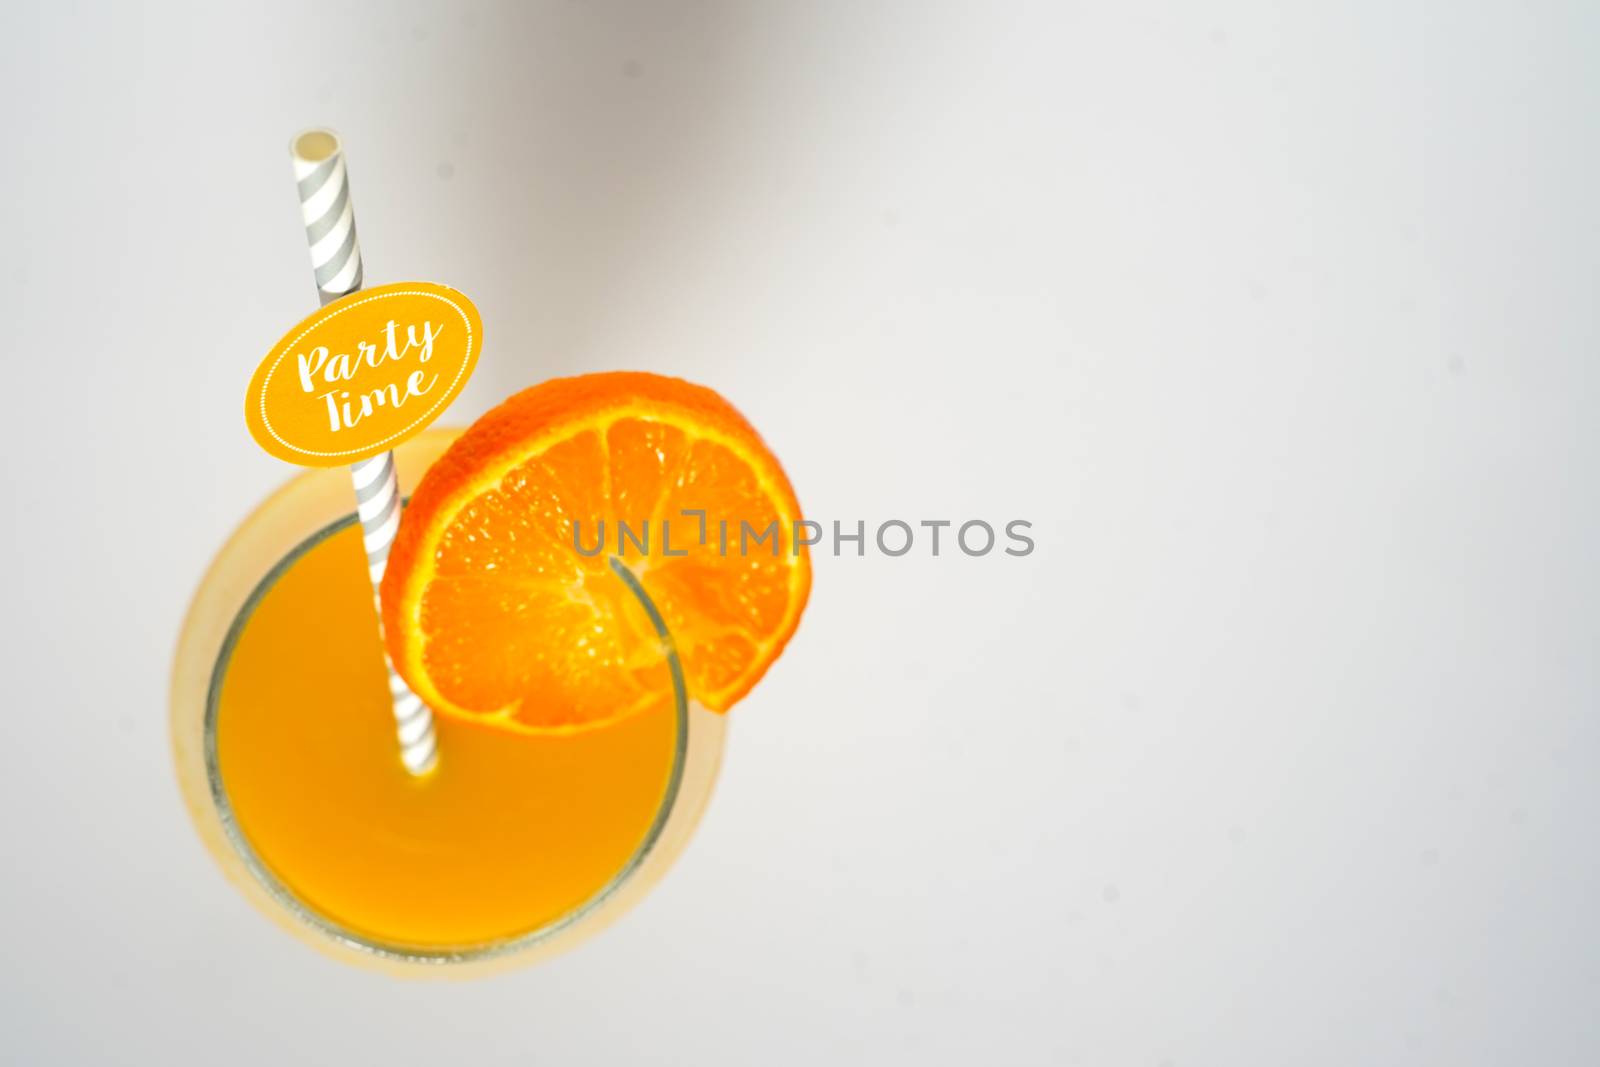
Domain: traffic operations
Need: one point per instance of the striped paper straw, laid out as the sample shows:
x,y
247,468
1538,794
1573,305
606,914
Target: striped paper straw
x,y
336,259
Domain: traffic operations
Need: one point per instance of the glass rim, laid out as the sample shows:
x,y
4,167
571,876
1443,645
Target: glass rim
x,y
398,951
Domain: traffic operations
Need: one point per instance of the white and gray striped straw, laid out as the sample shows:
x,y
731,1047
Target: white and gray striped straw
x,y
336,259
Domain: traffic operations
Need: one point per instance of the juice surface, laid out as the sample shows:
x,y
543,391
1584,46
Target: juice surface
x,y
507,834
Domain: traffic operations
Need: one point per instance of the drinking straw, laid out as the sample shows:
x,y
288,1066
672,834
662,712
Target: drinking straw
x,y
336,259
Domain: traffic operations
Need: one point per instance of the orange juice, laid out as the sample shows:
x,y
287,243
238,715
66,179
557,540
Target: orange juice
x,y
509,833
515,844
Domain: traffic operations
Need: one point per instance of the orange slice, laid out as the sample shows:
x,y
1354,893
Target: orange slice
x,y
495,609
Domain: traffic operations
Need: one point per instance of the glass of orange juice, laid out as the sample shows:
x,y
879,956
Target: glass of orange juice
x,y
515,847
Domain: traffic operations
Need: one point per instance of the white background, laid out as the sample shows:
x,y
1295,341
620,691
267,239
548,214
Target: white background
x,y
1277,321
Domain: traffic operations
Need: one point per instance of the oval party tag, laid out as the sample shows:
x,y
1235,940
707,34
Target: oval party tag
x,y
363,374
